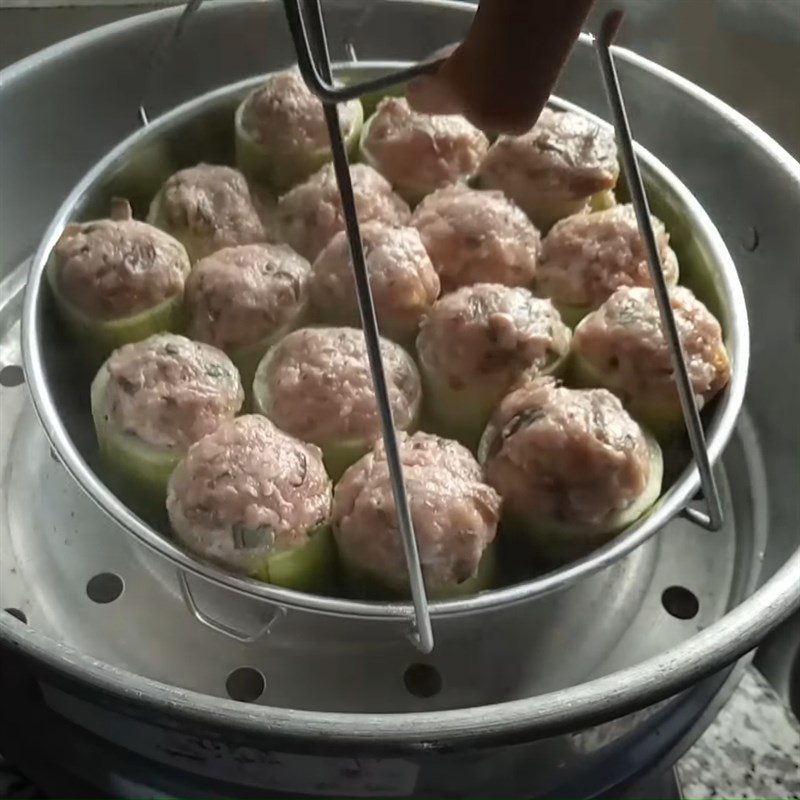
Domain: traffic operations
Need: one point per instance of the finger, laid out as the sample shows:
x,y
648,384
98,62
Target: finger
x,y
433,94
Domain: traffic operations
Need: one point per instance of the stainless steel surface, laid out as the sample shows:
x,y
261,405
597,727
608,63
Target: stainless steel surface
x,y
691,414
189,135
610,621
317,55
711,147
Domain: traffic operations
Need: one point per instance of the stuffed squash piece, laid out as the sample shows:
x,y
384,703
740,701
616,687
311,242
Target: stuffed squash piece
x,y
244,299
117,280
402,278
564,164
454,512
310,214
572,466
418,153
622,347
475,344
477,237
316,384
586,257
207,207
151,400
281,135
256,501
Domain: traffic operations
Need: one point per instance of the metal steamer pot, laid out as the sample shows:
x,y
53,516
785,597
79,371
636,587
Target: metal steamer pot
x,y
557,686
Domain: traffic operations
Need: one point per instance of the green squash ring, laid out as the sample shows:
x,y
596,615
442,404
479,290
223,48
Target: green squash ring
x,y
143,469
366,584
308,568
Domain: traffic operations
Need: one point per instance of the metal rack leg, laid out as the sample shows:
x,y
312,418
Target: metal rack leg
x,y
421,633
714,518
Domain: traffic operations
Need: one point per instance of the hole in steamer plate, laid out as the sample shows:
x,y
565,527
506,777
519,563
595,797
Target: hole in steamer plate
x,y
17,614
680,602
422,680
11,375
104,587
245,684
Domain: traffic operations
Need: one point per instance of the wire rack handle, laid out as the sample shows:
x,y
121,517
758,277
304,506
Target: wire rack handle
x,y
307,29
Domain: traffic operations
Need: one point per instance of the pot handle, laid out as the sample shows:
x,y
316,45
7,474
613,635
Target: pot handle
x,y
217,626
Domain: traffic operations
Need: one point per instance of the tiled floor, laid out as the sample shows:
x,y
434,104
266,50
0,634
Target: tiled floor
x,y
752,750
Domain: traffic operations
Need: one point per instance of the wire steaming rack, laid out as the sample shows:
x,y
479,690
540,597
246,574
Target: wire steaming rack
x,y
307,28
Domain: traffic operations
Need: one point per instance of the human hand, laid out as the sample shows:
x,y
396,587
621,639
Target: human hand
x,y
501,75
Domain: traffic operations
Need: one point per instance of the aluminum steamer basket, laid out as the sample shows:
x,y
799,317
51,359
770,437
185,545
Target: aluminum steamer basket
x,y
201,130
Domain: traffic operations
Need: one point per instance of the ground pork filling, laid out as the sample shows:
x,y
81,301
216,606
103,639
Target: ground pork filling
x,y
477,237
169,391
110,269
423,150
586,257
402,278
311,213
566,455
239,296
286,116
623,339
248,490
565,156
488,330
455,514
319,386
212,206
